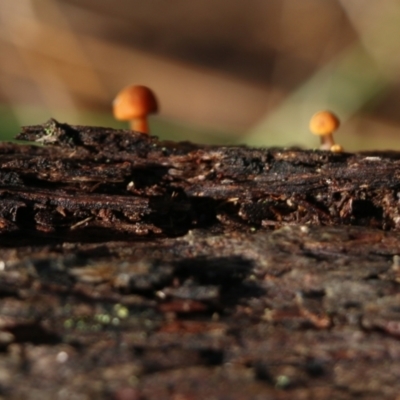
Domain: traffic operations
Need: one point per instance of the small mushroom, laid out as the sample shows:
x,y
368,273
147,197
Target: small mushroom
x,y
134,104
323,124
336,148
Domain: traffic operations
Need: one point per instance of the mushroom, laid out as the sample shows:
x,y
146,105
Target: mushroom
x,y
336,148
133,104
323,124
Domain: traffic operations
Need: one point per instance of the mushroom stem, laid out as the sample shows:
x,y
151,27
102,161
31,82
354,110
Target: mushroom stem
x,y
327,142
139,125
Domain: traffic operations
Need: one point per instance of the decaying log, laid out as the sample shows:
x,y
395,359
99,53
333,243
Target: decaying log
x,y
137,269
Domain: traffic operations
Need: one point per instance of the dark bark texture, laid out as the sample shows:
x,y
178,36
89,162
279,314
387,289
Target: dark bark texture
x,y
137,269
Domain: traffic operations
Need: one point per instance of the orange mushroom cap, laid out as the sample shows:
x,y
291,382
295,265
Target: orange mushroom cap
x,y
134,102
323,123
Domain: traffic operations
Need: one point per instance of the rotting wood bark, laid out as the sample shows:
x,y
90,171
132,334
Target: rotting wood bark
x,y
176,286
95,179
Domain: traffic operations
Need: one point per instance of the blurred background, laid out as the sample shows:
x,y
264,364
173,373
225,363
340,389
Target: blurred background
x,y
225,72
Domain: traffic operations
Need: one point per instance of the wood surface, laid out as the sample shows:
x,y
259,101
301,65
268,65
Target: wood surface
x,y
137,269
